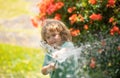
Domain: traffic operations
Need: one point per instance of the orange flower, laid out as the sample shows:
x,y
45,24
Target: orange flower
x,y
95,17
43,8
81,17
43,5
112,33
86,27
71,9
74,32
42,16
73,18
34,22
93,2
99,17
111,20
115,28
49,6
92,63
57,16
111,3
51,9
59,5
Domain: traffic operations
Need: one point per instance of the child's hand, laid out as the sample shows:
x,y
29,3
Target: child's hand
x,y
46,69
51,67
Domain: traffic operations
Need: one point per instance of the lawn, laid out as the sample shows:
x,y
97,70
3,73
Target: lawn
x,y
20,62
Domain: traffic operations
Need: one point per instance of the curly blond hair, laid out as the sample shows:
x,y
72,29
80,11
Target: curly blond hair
x,y
52,25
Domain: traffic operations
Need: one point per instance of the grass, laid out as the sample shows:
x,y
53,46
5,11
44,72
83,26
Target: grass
x,y
13,8
20,62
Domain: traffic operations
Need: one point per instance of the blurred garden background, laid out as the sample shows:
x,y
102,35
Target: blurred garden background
x,y
20,52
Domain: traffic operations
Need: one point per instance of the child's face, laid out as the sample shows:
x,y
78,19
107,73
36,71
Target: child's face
x,y
53,38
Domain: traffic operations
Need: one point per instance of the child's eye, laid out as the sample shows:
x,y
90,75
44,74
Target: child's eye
x,y
48,37
54,35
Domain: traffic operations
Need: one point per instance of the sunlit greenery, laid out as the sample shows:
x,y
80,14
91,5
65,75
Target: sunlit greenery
x,y
20,62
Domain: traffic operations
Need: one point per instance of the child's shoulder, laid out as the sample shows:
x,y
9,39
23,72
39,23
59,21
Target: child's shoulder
x,y
68,44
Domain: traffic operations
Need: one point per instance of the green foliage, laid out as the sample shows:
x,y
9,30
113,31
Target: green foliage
x,y
20,62
106,55
83,17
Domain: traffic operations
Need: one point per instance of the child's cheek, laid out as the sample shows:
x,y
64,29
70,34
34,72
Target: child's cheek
x,y
57,37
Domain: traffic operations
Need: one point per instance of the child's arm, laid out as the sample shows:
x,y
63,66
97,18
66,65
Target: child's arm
x,y
46,69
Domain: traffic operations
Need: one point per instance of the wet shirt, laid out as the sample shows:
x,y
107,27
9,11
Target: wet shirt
x,y
65,69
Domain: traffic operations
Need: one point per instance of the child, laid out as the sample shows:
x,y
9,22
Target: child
x,y
57,35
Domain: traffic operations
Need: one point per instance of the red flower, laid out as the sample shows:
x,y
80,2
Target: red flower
x,y
111,20
54,7
115,28
42,16
34,22
51,9
80,17
57,16
73,18
96,17
74,32
92,63
71,9
93,2
112,33
86,27
49,6
59,5
111,3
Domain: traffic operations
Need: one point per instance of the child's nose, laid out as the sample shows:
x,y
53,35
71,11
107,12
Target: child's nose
x,y
52,39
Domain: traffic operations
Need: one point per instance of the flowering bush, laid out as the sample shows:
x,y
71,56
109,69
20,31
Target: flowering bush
x,y
83,15
89,20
